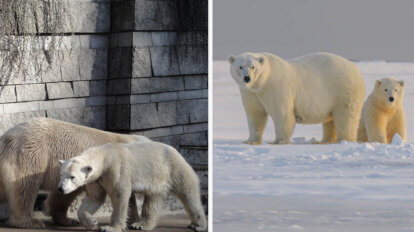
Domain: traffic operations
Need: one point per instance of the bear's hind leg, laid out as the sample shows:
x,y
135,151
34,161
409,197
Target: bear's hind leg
x,y
346,122
329,132
22,195
133,215
150,210
192,205
58,204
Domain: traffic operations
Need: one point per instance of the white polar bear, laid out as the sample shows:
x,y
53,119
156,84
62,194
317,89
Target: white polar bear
x,y
383,113
152,169
316,88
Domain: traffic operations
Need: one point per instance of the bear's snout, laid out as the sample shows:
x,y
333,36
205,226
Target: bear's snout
x,y
60,190
246,79
391,99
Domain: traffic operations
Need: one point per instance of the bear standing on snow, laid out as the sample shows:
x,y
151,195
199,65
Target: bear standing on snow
x,y
316,88
383,113
152,169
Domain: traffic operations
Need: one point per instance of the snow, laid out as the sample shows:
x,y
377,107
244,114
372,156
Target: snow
x,y
305,187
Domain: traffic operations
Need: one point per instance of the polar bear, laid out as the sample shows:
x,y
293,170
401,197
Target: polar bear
x,y
152,169
383,113
29,154
316,88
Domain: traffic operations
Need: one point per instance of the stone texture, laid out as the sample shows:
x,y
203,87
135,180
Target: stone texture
x,y
59,90
195,155
9,120
89,88
196,109
69,103
196,82
154,85
7,94
118,117
165,38
195,127
120,62
141,64
31,92
70,66
164,61
194,139
157,132
93,64
119,86
192,94
142,39
167,96
193,59
89,116
21,107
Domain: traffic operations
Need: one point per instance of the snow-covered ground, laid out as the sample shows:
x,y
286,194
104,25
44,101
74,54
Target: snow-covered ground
x,y
300,187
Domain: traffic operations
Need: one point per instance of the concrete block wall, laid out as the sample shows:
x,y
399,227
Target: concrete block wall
x,y
135,66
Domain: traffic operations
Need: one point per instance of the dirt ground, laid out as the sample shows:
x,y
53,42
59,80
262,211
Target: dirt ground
x,y
176,223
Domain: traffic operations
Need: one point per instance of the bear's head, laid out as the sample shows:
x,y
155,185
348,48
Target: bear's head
x,y
247,70
389,91
74,173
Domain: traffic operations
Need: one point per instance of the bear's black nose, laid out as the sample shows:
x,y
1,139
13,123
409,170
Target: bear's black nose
x,y
246,79
60,190
391,99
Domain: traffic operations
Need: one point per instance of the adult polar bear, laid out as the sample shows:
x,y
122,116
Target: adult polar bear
x,y
29,154
316,88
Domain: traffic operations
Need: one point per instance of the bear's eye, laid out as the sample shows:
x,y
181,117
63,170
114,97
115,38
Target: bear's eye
x,y
72,177
252,67
395,90
386,90
241,67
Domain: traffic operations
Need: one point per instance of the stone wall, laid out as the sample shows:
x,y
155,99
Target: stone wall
x,y
136,66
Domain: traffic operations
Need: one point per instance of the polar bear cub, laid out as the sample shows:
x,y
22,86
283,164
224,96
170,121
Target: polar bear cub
x,y
383,113
152,169
316,88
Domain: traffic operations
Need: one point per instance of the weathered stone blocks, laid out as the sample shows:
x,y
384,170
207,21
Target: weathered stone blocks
x,y
59,90
31,92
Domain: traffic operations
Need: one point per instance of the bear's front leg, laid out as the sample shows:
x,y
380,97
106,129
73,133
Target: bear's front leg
x,y
284,125
376,129
256,117
120,199
95,197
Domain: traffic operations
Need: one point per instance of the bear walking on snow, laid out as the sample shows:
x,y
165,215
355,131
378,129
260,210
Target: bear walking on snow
x,y
29,154
120,170
383,113
316,88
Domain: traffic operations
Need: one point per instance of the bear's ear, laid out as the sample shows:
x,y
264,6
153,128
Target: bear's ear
x,y
261,60
378,83
88,170
61,162
402,83
231,59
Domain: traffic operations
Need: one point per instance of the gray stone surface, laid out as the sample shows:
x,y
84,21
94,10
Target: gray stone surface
x,y
141,64
59,90
194,139
9,120
88,116
196,82
119,86
89,88
195,155
7,94
196,109
118,117
93,64
21,107
193,59
164,61
191,94
30,92
120,62
167,96
154,85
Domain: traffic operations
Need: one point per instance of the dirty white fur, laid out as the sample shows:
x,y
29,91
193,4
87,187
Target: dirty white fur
x,y
381,118
29,154
152,169
316,88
